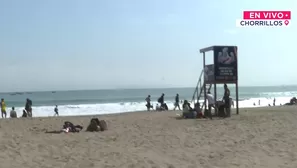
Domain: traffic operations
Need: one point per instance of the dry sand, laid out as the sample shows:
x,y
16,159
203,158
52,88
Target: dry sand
x,y
262,137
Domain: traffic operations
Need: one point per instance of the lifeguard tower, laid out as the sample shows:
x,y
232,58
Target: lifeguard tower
x,y
223,70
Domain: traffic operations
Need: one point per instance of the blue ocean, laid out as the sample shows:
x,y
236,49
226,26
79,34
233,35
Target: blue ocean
x,y
88,102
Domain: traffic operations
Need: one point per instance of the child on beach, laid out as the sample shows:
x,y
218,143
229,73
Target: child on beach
x,y
25,114
3,108
13,113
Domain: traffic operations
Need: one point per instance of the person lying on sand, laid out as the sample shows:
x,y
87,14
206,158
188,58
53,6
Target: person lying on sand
x,y
97,125
68,127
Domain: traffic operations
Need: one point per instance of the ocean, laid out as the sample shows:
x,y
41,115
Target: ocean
x,y
89,102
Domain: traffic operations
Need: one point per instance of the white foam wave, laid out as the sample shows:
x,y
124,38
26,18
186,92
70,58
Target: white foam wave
x,y
110,108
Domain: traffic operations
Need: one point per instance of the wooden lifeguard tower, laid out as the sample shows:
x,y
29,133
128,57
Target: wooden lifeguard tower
x,y
223,70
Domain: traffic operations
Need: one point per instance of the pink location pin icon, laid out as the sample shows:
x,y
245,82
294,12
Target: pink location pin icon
x,y
286,22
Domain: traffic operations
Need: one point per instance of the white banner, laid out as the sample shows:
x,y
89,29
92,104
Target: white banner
x,y
262,23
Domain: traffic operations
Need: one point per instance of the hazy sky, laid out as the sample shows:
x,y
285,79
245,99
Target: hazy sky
x,y
97,44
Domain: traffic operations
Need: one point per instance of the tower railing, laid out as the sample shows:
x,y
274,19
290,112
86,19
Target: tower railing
x,y
199,90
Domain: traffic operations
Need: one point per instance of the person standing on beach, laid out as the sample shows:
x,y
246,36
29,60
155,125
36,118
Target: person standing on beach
x,y
210,100
226,97
176,104
274,102
148,103
28,107
56,111
3,108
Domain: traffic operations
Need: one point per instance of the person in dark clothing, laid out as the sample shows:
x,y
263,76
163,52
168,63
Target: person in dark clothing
x,y
71,127
176,104
67,127
161,101
24,113
97,125
293,101
56,111
226,97
28,107
274,102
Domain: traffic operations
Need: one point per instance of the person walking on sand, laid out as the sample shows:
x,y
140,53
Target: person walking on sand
x,y
176,104
13,113
148,103
56,111
161,100
3,108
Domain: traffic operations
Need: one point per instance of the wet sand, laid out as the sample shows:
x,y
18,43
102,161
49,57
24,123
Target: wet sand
x,y
257,137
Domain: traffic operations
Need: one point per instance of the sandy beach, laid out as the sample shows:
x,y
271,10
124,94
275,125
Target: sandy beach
x,y
258,137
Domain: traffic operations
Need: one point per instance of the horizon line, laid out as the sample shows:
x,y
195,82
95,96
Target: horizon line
x,y
60,90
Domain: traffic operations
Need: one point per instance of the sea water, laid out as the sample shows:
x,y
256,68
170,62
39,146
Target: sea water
x,y
91,102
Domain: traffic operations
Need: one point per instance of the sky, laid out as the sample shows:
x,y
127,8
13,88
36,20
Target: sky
x,y
107,44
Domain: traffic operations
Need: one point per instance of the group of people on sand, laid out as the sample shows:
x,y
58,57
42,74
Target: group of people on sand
x,y
196,111
273,103
27,112
293,101
161,105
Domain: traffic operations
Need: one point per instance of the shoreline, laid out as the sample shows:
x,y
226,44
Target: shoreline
x,y
233,112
